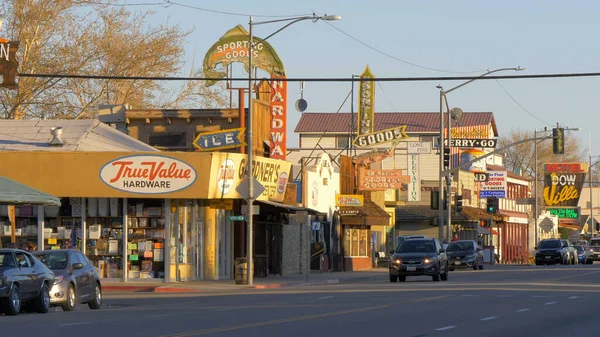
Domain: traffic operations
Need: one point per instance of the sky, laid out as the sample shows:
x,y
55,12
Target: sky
x,y
421,39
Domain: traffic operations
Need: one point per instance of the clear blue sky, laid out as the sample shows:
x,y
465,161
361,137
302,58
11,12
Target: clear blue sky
x,y
424,38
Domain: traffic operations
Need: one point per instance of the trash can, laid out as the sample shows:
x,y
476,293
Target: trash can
x,y
241,270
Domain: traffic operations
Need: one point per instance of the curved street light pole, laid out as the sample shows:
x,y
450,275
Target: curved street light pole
x,y
445,195
249,133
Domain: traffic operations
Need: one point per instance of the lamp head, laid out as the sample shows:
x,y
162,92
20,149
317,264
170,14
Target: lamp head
x,y
520,69
331,17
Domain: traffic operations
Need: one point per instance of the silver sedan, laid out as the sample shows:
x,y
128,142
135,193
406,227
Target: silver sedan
x,y
76,279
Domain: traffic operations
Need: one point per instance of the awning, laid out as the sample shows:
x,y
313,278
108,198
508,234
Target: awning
x,y
289,208
475,213
15,193
369,214
485,231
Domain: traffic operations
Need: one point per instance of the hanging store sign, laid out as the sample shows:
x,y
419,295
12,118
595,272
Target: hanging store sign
x,y
278,108
414,186
564,212
349,200
148,174
219,140
366,103
8,63
563,183
495,186
380,180
226,204
381,137
470,143
418,147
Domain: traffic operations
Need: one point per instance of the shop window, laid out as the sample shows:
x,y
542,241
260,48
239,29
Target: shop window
x,y
356,241
104,235
168,139
342,142
146,238
26,227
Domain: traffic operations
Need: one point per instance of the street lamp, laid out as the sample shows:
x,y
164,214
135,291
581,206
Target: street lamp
x,y
592,225
443,174
535,175
251,196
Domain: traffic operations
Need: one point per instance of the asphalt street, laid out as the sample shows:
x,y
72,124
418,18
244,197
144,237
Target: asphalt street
x,y
500,301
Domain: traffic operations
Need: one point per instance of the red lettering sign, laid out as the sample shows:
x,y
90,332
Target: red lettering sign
x,y
278,108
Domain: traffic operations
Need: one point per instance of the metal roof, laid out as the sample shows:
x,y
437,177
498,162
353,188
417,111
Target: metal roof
x,y
416,122
15,193
78,135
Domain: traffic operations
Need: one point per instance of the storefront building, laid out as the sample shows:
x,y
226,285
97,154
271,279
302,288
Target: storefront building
x,y
136,215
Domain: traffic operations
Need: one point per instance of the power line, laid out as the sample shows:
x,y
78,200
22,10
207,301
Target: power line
x,y
232,13
519,104
315,79
399,59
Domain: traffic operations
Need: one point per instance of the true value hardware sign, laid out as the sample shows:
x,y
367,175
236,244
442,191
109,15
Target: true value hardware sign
x,y
148,174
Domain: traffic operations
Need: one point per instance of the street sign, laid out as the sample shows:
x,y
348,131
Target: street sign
x,y
255,209
381,137
221,139
242,188
237,218
481,177
468,142
525,201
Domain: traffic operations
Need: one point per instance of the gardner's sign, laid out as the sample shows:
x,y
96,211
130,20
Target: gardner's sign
x,y
381,137
148,174
563,183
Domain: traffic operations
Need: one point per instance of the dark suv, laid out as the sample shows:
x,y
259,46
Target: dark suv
x,y
552,251
418,257
464,254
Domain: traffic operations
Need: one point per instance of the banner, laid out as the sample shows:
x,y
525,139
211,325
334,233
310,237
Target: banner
x,y
495,186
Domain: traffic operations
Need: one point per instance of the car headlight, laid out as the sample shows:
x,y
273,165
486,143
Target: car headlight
x,y
591,249
58,279
395,261
429,260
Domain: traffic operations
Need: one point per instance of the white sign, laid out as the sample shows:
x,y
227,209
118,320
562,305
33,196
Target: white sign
x,y
316,226
148,174
414,185
418,147
226,176
495,186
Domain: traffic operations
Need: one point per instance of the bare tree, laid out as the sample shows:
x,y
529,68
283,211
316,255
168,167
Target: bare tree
x,y
522,156
95,38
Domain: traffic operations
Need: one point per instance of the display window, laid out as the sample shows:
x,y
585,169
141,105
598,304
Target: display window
x,y
145,238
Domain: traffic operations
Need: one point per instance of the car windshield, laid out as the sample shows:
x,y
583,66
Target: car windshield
x,y
579,248
55,260
458,246
594,242
7,260
416,246
550,244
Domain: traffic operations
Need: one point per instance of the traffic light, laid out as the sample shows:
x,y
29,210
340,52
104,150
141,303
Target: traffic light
x,y
492,205
446,157
459,203
435,200
558,141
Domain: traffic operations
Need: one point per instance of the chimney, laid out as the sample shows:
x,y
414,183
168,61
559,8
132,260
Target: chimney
x,y
56,133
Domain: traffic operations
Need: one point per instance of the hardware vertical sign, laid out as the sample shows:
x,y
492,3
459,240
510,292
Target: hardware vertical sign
x,y
366,103
278,110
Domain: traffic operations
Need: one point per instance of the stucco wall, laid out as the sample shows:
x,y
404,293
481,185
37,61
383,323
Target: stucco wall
x,y
294,248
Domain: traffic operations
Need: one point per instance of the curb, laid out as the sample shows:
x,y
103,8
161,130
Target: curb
x,y
116,288
175,290
289,285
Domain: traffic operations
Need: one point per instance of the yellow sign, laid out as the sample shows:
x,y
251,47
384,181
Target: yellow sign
x,y
226,204
52,241
366,103
219,140
349,200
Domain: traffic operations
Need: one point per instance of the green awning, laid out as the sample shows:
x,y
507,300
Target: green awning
x,y
15,193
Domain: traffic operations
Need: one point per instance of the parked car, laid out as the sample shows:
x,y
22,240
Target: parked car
x,y
24,282
77,280
417,257
584,255
595,249
571,252
464,254
552,251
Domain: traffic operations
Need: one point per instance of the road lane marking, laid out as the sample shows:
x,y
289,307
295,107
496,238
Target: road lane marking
x,y
325,297
505,295
540,296
522,310
573,297
302,318
160,316
469,295
71,324
488,318
550,303
572,276
446,328
225,309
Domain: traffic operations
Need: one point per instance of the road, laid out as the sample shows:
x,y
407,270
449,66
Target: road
x,y
500,301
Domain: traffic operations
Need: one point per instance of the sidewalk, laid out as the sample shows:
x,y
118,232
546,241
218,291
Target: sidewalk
x,y
271,282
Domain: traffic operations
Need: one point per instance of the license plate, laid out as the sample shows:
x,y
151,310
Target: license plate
x,y
457,263
409,268
548,257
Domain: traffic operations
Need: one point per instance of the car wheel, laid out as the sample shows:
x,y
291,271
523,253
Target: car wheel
x,y
71,300
13,302
42,302
436,277
475,266
444,276
96,303
402,278
481,266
